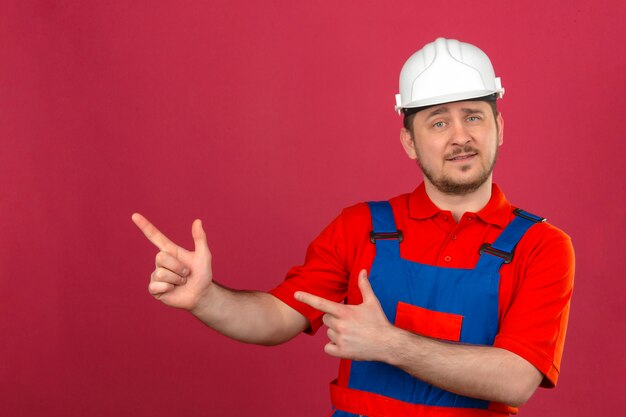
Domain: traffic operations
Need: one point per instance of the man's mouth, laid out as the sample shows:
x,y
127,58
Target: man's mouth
x,y
462,157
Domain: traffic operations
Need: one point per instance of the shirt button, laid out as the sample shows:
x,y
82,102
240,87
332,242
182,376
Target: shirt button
x,y
469,219
445,218
453,237
447,258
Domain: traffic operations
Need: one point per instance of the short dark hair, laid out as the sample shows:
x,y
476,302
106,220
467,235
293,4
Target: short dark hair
x,y
408,120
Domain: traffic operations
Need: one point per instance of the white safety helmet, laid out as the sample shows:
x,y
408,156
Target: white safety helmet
x,y
443,71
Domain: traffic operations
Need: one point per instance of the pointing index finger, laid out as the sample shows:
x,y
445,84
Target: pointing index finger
x,y
154,235
319,303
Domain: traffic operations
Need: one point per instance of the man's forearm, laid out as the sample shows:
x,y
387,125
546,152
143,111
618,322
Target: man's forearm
x,y
249,316
483,372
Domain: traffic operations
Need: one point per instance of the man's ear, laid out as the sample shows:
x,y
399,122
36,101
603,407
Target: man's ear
x,y
406,138
500,124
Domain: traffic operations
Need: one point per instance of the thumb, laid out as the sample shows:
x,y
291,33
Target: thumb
x,y
366,289
199,237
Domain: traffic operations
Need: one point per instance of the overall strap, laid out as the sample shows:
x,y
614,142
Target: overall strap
x,y
501,251
384,235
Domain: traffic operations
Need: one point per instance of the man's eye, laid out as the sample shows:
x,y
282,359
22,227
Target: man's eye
x,y
473,118
439,124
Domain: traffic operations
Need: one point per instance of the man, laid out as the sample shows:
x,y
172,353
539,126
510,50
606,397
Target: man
x,y
465,307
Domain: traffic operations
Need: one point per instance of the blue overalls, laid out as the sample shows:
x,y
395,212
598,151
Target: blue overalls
x,y
453,304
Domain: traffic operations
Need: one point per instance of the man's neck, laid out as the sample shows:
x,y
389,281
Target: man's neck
x,y
459,204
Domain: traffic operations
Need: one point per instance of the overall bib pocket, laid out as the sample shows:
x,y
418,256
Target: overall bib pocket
x,y
429,323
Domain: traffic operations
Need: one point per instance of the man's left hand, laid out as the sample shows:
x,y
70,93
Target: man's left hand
x,y
358,332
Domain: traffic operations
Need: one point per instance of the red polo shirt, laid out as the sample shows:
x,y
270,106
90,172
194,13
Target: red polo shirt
x,y
535,288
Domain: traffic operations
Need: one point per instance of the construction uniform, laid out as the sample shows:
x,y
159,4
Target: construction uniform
x,y
494,278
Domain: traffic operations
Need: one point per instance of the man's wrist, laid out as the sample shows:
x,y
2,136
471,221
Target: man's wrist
x,y
394,347
206,303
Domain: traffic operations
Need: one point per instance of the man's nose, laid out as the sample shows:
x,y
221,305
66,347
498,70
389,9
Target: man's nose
x,y
460,134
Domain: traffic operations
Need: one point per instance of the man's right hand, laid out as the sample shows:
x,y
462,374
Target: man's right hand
x,y
181,278
184,279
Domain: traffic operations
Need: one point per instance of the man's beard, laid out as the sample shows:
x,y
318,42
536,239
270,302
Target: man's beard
x,y
447,185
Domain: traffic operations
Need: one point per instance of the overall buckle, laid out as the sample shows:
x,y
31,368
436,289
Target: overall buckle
x,y
374,236
528,216
486,247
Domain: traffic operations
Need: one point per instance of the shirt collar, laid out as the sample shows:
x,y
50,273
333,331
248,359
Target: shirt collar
x,y
497,211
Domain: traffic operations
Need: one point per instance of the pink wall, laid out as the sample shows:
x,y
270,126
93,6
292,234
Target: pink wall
x,y
264,119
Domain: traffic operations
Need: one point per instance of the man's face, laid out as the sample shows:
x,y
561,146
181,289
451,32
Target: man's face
x,y
455,145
